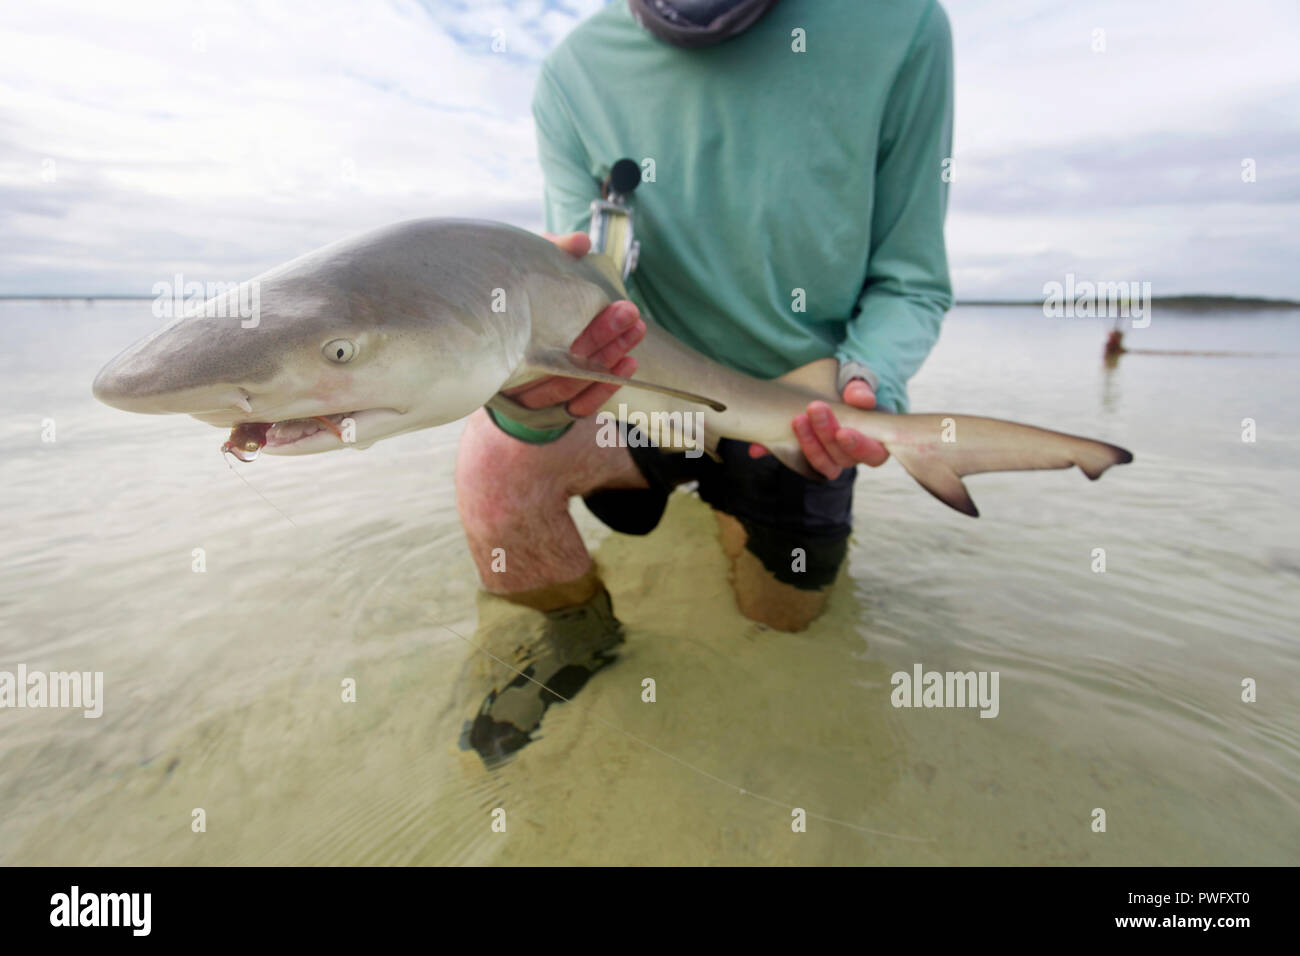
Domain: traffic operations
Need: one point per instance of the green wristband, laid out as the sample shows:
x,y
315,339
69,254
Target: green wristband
x,y
533,436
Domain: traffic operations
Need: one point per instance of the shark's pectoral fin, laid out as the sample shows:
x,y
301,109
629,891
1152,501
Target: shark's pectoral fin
x,y
938,450
565,363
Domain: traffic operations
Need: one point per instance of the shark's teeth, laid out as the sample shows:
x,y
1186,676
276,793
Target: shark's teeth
x,y
296,429
282,433
293,430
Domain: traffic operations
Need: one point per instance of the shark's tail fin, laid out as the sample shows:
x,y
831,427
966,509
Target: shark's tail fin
x,y
939,450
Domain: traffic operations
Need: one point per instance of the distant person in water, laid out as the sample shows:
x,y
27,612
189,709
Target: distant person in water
x,y
792,218
1115,344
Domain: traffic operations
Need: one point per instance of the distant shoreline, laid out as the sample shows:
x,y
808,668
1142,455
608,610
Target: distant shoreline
x,y
1197,302
76,298
1205,303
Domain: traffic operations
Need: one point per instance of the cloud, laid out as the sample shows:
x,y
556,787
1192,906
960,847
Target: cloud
x,y
147,138
219,139
1118,154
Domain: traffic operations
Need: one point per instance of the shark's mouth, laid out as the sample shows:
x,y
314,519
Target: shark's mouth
x,y
249,438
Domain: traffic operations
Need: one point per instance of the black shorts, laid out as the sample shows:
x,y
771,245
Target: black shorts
x,y
781,511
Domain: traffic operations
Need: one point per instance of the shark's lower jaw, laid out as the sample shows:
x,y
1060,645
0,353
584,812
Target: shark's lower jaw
x,y
305,436
282,434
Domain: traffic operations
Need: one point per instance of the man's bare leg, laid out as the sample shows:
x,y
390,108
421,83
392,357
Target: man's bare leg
x,y
759,595
515,497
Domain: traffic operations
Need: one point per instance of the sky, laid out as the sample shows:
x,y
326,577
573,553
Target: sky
x,y
218,138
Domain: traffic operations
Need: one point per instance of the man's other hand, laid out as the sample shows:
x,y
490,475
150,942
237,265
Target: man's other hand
x,y
828,446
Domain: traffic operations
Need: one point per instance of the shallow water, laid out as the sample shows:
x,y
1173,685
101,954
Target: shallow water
x,y
1118,690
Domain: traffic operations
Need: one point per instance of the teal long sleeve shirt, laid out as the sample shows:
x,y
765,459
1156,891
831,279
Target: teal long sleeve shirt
x,y
793,202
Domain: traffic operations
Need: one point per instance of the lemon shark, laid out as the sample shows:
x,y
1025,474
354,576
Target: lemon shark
x,y
420,323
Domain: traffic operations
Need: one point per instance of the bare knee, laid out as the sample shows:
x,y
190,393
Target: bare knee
x,y
499,479
762,598
731,534
497,476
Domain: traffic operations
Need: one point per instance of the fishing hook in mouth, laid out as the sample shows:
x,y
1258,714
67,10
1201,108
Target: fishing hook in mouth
x,y
239,453
246,441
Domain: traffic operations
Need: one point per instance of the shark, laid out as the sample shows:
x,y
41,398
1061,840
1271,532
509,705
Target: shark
x,y
420,323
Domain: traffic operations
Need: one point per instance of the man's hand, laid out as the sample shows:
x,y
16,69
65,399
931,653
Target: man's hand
x,y
829,447
607,339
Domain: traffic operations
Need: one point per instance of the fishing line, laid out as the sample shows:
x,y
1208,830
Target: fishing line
x,y
680,761
225,456
1128,351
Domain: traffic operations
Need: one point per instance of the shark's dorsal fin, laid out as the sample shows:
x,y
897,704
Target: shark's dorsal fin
x,y
564,363
609,271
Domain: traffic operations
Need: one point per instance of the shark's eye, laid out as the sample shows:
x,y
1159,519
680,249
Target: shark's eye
x,y
339,351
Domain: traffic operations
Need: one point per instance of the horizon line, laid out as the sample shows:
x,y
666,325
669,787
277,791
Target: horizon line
x,y
1188,298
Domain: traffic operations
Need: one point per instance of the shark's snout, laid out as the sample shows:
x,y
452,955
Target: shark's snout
x,y
122,384
110,388
119,387
125,385
190,367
